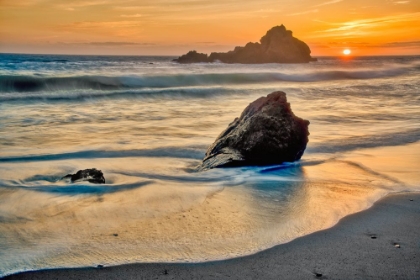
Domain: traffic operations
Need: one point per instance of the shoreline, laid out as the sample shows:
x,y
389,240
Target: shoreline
x,y
381,242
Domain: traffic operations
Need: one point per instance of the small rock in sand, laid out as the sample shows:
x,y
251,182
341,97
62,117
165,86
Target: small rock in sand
x,y
91,175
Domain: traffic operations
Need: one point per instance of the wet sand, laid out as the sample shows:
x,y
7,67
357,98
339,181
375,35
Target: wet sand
x,y
382,242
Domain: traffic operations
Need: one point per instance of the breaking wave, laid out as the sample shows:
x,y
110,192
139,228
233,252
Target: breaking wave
x,y
20,83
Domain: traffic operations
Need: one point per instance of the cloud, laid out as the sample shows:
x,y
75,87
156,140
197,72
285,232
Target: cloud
x,y
348,43
109,44
112,44
402,44
73,5
305,12
352,44
361,27
21,3
132,16
101,24
319,45
88,3
401,2
407,44
205,43
197,10
328,3
81,4
131,8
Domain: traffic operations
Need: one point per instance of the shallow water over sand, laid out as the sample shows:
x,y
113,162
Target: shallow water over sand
x,y
146,126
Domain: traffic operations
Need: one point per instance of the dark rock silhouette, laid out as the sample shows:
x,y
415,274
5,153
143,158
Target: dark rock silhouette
x,y
193,57
91,175
267,132
277,46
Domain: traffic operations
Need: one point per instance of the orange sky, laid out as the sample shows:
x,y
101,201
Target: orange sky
x,y
172,27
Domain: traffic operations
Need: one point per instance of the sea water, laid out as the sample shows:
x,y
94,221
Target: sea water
x,y
146,122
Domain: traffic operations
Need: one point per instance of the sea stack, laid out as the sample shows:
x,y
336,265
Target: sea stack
x,y
267,132
277,46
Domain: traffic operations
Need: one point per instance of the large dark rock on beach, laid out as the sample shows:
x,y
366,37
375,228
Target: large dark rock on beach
x,y
90,175
277,46
267,132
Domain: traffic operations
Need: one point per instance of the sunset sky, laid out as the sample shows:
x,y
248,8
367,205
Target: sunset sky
x,y
171,27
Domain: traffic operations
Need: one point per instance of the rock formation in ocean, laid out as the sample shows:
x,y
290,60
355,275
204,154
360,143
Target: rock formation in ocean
x,y
91,175
277,46
267,132
193,57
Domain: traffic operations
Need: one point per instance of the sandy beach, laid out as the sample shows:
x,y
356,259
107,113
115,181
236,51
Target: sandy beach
x,y
382,242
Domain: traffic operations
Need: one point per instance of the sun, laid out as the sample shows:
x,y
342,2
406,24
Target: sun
x,y
347,52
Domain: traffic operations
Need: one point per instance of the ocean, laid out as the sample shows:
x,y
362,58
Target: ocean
x,y
146,122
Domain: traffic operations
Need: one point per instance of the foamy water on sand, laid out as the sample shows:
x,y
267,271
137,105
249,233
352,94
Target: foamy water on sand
x,y
146,126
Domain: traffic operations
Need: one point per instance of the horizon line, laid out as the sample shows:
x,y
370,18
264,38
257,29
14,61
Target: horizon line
x,y
166,55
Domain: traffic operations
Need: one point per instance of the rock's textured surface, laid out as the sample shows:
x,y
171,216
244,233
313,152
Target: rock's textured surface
x,y
277,46
267,132
91,175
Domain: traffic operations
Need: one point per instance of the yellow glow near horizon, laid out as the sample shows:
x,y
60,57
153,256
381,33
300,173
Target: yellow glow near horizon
x,y
347,52
171,27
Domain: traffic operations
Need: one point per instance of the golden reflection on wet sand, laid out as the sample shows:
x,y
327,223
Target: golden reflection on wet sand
x,y
166,220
